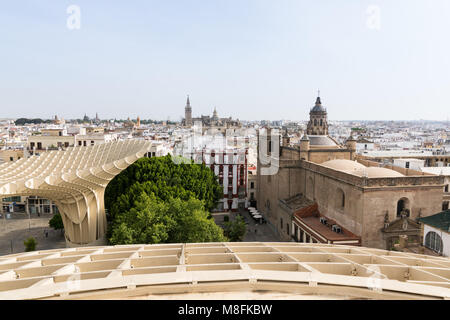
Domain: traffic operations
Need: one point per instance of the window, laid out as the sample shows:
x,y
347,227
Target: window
x,y
445,206
407,165
281,223
84,143
287,228
315,122
340,199
92,142
241,182
12,199
252,196
31,145
39,145
310,189
446,188
11,159
79,143
402,206
321,122
433,241
252,185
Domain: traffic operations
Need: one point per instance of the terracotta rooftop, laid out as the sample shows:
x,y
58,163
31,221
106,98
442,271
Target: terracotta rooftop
x,y
310,216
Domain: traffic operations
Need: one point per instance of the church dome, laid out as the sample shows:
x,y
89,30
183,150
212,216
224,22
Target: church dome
x,y
361,170
321,141
377,172
318,107
344,165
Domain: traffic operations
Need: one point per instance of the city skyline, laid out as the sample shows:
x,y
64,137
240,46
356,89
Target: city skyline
x,y
252,60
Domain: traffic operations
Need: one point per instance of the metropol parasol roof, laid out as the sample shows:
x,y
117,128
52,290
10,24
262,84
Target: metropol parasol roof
x,y
75,179
238,270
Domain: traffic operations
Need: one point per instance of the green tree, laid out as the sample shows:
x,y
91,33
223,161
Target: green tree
x,y
151,220
160,200
235,230
56,222
30,244
165,179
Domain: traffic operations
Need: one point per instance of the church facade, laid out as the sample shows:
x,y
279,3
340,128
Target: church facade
x,y
322,193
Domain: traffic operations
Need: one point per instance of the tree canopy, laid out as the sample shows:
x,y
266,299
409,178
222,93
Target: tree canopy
x,y
56,222
172,221
23,121
166,179
235,230
156,200
30,244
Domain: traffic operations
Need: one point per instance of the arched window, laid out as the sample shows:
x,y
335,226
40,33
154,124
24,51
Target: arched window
x,y
340,199
310,188
315,122
321,122
434,242
403,205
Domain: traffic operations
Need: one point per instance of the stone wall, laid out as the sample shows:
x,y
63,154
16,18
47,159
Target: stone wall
x,y
427,201
366,199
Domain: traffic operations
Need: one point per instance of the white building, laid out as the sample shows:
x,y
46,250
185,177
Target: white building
x,y
409,163
436,232
230,167
442,171
364,145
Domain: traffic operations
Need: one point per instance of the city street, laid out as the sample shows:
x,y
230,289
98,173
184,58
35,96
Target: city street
x,y
14,231
255,232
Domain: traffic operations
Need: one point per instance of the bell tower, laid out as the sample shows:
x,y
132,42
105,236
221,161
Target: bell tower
x,y
188,113
318,119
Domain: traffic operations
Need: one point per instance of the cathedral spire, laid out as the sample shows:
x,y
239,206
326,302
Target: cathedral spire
x,y
188,113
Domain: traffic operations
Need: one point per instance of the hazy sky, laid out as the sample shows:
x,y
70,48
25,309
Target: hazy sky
x,y
252,59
